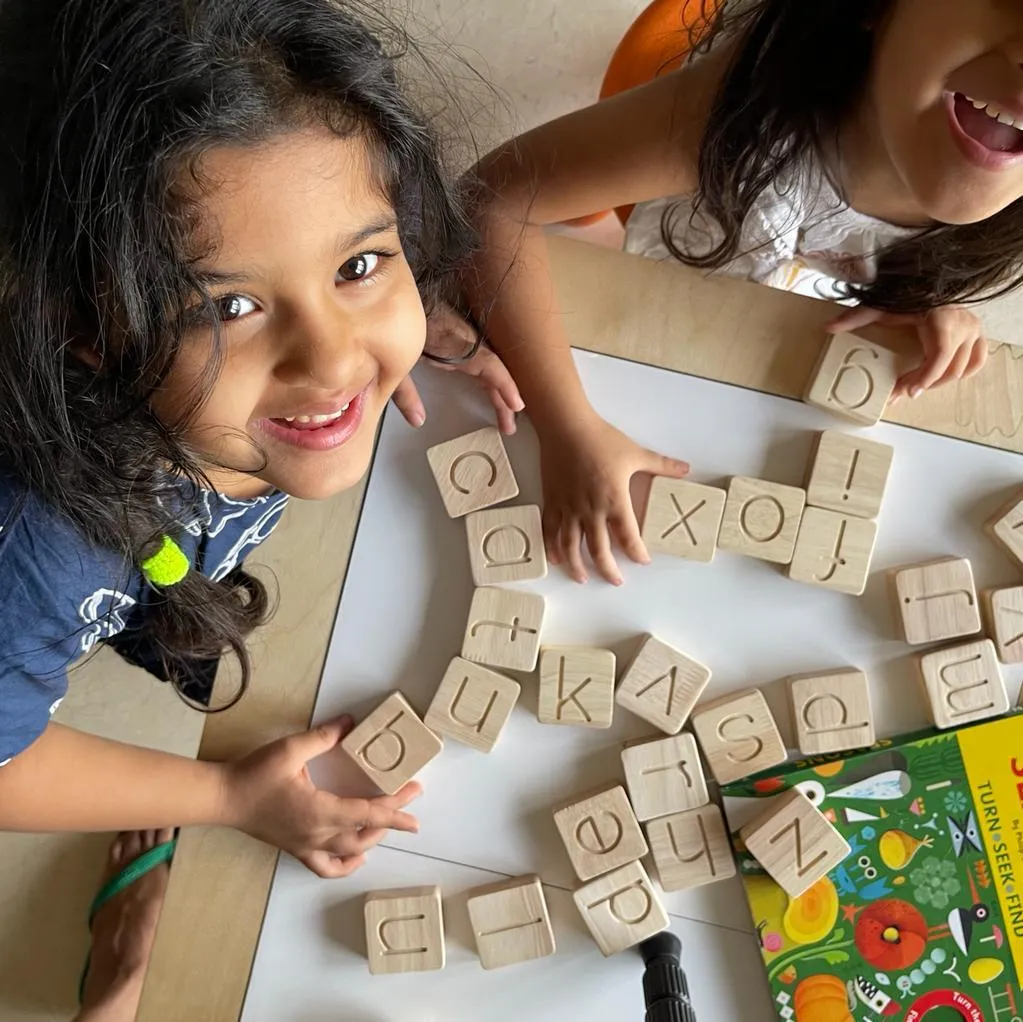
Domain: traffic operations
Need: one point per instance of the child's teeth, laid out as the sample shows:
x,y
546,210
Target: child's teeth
x,y
995,114
317,420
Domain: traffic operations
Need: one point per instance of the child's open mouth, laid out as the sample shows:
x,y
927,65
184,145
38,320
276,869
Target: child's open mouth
x,y
319,432
988,135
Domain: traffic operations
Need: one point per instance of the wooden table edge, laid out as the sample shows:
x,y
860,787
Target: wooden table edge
x,y
719,329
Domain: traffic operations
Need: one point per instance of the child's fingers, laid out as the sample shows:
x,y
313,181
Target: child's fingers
x,y
659,465
380,816
550,521
598,542
493,373
355,814
853,319
402,797
978,358
350,843
956,368
505,416
939,350
625,530
327,866
308,745
448,334
409,403
572,549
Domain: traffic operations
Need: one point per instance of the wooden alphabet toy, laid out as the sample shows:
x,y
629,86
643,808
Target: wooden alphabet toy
x,y
473,472
577,685
503,629
761,519
738,735
600,832
664,776
691,849
621,909
936,600
510,922
392,744
854,379
1006,527
848,474
1004,608
472,704
793,842
833,551
404,930
963,683
831,710
506,545
683,518
662,685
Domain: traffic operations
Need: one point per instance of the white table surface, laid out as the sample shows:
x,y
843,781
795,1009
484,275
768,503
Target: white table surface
x,y
405,602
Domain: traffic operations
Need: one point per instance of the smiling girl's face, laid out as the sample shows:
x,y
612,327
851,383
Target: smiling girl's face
x,y
946,99
320,316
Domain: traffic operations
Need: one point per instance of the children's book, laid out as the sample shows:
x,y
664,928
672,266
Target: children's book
x,y
924,917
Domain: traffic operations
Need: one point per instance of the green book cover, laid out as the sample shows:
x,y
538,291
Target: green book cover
x,y
924,917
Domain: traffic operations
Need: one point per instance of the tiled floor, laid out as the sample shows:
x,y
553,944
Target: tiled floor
x,y
540,58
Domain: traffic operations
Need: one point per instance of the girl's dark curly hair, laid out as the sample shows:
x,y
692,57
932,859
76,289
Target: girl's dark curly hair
x,y
107,105
798,70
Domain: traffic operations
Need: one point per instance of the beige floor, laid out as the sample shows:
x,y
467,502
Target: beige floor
x,y
541,58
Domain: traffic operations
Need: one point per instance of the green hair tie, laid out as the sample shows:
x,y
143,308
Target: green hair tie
x,y
167,566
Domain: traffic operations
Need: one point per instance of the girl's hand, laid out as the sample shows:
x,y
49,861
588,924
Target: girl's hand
x,y
586,478
954,347
449,335
270,795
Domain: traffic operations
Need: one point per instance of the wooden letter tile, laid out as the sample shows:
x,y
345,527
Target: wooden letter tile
x,y
761,519
691,849
577,686
854,379
392,744
404,930
473,472
664,776
600,832
1006,527
510,922
738,735
936,600
832,711
1005,620
662,685
506,545
472,704
503,629
621,909
683,518
794,843
833,551
964,683
849,474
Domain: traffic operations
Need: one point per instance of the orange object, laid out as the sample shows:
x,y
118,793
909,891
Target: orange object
x,y
657,43
822,999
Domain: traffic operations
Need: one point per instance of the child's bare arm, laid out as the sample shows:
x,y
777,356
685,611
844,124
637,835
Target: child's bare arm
x,y
71,781
638,146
